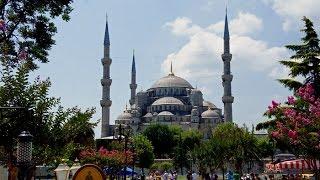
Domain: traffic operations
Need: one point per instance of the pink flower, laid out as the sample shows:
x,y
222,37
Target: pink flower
x,y
291,100
275,134
306,121
289,113
23,54
2,25
102,151
274,104
292,134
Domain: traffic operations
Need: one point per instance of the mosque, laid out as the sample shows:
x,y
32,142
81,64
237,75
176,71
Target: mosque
x,y
171,100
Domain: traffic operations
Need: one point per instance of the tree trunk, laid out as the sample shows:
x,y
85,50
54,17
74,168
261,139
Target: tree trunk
x,y
222,173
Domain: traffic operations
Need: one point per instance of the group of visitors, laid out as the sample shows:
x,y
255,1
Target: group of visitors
x,y
194,176
156,175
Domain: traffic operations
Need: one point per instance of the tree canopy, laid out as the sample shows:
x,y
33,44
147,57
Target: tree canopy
x,y
143,151
305,62
295,124
27,29
162,139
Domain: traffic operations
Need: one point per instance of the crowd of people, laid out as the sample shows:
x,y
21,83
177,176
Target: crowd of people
x,y
173,175
156,175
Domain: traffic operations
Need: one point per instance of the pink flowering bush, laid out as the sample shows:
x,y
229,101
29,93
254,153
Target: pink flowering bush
x,y
297,122
113,159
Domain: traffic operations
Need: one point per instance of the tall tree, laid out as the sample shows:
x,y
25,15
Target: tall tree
x,y
143,151
229,144
186,143
305,62
162,139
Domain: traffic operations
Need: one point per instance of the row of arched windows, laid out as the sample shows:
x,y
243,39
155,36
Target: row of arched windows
x,y
170,91
171,107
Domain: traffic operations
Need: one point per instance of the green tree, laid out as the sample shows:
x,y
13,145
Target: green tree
x,y
27,29
228,144
188,140
143,151
162,139
305,62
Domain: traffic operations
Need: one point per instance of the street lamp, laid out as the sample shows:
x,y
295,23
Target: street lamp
x,y
74,168
62,171
24,153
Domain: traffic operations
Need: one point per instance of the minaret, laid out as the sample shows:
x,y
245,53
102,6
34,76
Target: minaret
x,y
106,83
133,85
227,98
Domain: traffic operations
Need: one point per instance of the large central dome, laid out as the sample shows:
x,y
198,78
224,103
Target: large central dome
x,y
171,81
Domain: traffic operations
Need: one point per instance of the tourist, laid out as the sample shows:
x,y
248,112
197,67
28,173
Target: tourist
x,y
194,176
175,175
165,175
189,175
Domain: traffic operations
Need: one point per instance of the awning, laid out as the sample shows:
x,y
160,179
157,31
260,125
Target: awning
x,y
298,164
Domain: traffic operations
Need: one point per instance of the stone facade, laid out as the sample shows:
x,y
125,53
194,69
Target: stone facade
x,y
171,100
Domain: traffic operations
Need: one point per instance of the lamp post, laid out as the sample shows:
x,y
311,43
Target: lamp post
x,y
74,168
62,171
24,154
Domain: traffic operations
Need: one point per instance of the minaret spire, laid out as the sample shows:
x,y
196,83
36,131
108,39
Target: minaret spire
x,y
133,85
106,34
106,83
226,36
227,77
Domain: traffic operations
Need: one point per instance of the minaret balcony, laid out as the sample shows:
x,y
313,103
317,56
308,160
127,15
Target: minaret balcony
x,y
133,86
226,56
106,61
105,103
227,77
106,82
227,99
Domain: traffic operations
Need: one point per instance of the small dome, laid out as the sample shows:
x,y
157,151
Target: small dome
x,y
171,81
165,113
148,115
210,114
167,100
209,104
125,116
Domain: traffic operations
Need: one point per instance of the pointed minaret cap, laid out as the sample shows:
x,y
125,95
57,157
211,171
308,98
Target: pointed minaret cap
x,y
226,27
171,71
133,68
106,41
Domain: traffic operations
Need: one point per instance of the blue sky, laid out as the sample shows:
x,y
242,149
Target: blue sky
x,y
186,32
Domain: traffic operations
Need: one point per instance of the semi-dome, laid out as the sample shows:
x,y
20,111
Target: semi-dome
x,y
171,81
125,116
209,104
167,101
210,114
148,115
165,113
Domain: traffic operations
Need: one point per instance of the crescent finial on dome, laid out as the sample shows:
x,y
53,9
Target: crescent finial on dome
x,y
171,71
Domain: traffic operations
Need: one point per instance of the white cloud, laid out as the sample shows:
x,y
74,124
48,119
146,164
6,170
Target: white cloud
x,y
244,23
182,26
293,10
199,60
